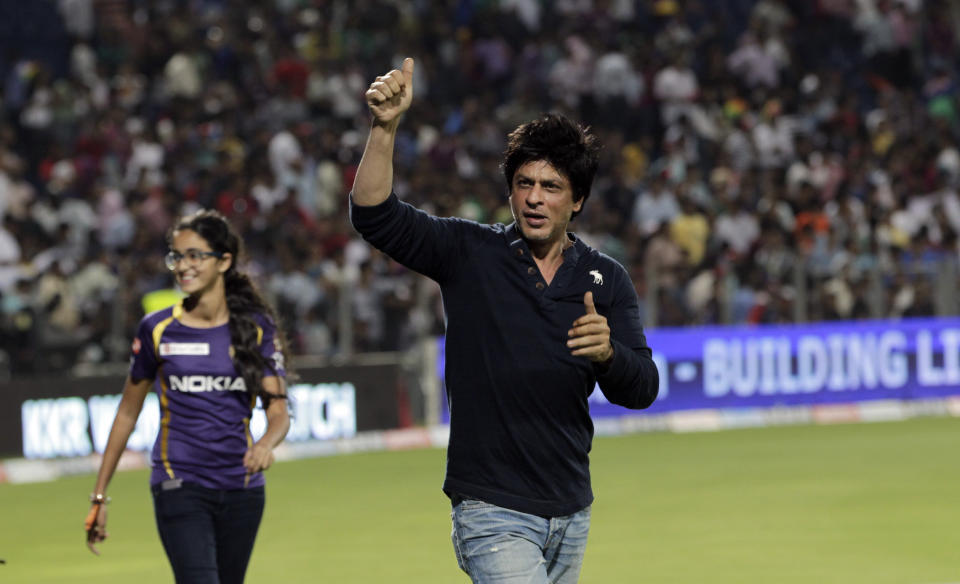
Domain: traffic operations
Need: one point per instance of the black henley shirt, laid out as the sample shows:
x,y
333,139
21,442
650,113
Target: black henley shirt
x,y
520,427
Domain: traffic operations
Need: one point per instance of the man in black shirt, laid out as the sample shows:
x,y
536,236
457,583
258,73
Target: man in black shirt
x,y
535,319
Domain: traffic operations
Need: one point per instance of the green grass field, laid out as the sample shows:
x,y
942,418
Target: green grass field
x,y
867,503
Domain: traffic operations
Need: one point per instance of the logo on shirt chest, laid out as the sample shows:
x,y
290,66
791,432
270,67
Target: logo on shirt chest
x,y
201,383
597,277
167,349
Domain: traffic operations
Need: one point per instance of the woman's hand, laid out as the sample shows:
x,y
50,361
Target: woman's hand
x,y
96,526
257,458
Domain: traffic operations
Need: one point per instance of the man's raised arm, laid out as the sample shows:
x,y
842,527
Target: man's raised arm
x,y
387,98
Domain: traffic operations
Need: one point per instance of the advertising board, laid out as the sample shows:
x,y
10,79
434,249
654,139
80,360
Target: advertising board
x,y
69,417
720,368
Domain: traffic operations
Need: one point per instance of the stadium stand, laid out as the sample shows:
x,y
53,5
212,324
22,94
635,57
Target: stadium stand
x,y
765,161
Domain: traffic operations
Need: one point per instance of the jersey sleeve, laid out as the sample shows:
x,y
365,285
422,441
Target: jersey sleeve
x,y
272,351
143,358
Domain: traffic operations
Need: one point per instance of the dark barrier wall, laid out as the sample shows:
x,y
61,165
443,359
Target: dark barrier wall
x,y
60,414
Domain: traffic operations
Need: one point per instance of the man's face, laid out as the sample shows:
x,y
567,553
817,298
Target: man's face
x,y
541,199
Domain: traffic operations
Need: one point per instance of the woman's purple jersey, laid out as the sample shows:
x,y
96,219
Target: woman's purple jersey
x,y
204,406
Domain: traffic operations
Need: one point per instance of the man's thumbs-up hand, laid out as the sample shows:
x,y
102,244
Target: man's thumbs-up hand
x,y
390,95
590,335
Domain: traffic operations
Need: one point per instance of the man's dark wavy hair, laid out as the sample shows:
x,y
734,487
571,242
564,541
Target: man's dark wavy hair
x,y
568,147
243,301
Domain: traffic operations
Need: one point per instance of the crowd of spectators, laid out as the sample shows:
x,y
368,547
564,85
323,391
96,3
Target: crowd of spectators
x,y
763,161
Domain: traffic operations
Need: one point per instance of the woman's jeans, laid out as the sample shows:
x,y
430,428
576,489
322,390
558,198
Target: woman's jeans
x,y
208,534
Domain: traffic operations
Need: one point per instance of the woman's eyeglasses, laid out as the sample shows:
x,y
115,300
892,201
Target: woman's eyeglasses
x,y
193,257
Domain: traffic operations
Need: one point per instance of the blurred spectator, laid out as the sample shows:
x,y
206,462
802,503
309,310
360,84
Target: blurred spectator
x,y
286,157
737,227
656,206
690,230
55,300
676,87
759,59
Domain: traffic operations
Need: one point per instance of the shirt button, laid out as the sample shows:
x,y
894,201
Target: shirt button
x,y
539,285
519,251
531,270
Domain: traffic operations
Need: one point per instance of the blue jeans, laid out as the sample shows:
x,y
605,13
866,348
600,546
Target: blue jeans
x,y
497,545
208,534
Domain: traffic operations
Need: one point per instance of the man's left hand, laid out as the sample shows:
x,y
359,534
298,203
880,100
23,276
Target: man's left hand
x,y
590,335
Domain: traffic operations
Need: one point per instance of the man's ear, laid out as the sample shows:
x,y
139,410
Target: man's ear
x,y
577,205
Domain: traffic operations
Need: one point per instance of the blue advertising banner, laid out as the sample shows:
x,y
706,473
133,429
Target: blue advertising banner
x,y
719,367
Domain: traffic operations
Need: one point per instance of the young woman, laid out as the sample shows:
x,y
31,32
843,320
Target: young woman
x,y
210,356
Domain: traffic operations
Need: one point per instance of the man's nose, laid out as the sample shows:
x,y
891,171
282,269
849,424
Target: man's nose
x,y
535,195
